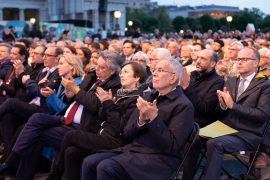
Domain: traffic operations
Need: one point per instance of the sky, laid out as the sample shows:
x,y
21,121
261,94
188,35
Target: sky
x,y
263,5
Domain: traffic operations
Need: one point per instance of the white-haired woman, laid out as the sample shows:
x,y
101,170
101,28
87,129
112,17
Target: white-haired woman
x,y
186,55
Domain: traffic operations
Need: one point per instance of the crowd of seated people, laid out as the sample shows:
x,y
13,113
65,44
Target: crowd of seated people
x,y
124,108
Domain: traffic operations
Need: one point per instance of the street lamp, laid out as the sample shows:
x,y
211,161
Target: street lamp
x,y
229,19
182,31
32,20
130,23
117,15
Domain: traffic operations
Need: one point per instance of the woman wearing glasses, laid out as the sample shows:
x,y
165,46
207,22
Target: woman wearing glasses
x,y
116,111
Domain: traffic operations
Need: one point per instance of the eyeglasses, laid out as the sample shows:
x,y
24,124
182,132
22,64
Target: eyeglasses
x,y
124,72
264,57
34,53
48,55
153,59
139,61
160,70
230,49
244,60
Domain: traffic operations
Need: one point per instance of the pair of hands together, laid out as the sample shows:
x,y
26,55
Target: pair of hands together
x,y
225,98
222,68
148,110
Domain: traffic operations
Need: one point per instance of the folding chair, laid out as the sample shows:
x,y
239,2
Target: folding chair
x,y
242,162
190,141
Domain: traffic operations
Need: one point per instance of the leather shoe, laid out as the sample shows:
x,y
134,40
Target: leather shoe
x,y
256,172
262,161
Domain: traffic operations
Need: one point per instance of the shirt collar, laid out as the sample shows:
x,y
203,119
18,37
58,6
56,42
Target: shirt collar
x,y
51,70
249,78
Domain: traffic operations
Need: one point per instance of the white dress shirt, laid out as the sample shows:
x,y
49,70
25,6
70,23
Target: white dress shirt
x,y
78,114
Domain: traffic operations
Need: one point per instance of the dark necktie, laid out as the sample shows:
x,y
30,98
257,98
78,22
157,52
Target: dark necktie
x,y
74,108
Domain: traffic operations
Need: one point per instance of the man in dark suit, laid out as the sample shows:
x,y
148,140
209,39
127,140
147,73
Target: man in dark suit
x,y
115,35
14,112
5,63
81,113
98,35
201,87
244,106
37,65
128,50
10,85
35,32
158,130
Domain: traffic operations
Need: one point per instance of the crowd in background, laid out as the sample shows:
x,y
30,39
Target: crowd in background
x,y
131,99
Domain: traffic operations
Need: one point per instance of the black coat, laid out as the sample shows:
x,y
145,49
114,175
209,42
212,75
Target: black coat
x,y
21,93
35,33
251,111
157,148
202,92
33,88
13,85
149,73
117,114
4,68
90,120
115,36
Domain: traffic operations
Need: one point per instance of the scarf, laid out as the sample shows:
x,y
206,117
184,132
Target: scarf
x,y
123,92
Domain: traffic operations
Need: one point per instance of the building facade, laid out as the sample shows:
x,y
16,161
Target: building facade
x,y
99,12
214,11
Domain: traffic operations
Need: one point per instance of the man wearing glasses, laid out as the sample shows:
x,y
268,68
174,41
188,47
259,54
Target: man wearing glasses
x,y
228,69
244,105
142,58
156,56
264,67
15,112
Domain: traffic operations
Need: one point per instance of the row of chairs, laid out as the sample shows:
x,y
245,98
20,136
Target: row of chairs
x,y
190,141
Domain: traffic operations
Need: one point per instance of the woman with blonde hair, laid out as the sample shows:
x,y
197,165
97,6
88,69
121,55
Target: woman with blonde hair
x,y
150,49
69,64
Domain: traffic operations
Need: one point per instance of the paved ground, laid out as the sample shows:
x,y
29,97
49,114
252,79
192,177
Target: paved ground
x,y
230,164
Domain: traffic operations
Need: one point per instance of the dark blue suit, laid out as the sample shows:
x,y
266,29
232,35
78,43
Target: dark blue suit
x,y
155,150
4,68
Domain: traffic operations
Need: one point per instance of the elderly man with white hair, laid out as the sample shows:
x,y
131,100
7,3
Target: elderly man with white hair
x,y
156,56
173,48
228,69
186,55
142,58
158,129
264,66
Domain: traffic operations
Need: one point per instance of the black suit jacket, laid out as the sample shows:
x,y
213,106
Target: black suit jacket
x,y
202,92
13,85
157,148
4,68
21,93
89,120
33,88
250,112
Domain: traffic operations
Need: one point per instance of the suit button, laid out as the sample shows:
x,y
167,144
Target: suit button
x,y
158,125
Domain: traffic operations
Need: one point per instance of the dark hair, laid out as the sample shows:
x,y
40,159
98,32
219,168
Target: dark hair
x,y
58,51
10,27
138,69
72,49
214,57
26,42
131,42
96,51
245,44
105,44
87,54
95,45
199,44
22,50
33,46
44,26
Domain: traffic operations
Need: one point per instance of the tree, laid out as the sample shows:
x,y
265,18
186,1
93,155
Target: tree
x,y
207,22
223,21
217,23
234,23
244,19
150,23
266,24
178,22
190,21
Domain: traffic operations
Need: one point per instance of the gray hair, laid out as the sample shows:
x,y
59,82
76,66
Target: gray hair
x,y
267,51
113,58
187,46
162,53
140,53
7,46
175,67
238,43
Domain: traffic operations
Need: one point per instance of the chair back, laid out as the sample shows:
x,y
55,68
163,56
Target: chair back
x,y
190,141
